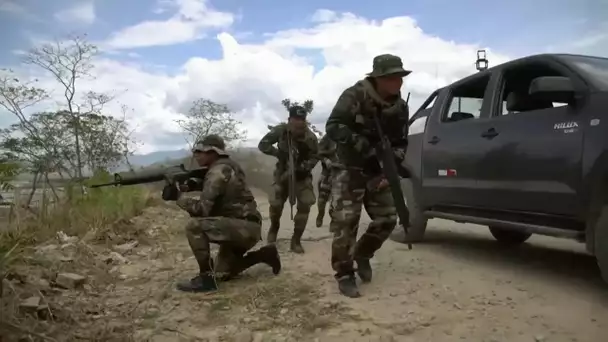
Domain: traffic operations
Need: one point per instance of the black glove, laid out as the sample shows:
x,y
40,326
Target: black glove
x,y
170,193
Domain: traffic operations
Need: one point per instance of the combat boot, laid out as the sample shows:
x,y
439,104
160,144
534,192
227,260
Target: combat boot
x,y
204,282
364,270
347,285
268,255
296,244
272,233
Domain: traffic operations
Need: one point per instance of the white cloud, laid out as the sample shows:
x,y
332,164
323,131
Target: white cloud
x,y
189,22
82,12
11,6
253,79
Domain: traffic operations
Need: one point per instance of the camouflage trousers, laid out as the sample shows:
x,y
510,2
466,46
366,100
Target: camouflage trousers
x,y
305,198
324,188
352,190
234,237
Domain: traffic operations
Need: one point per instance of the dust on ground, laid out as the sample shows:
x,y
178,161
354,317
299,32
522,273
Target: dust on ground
x,y
458,286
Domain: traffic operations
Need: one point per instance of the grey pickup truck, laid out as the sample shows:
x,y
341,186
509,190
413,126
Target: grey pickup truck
x,y
521,147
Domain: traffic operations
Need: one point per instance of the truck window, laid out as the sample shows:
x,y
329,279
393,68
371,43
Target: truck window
x,y
466,100
516,84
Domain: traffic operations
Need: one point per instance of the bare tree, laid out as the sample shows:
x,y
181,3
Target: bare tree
x,y
68,62
207,117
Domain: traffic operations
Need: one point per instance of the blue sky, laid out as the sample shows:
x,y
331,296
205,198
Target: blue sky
x,y
516,26
280,51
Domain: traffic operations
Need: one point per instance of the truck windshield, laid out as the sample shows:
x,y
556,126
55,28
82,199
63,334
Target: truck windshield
x,y
593,68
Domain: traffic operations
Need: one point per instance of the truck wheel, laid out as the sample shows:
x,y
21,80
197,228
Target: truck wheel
x,y
509,237
601,242
418,222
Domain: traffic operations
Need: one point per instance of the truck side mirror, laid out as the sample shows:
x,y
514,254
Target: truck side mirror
x,y
553,88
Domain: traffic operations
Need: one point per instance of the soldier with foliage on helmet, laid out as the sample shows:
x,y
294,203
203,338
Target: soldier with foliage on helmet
x,y
304,142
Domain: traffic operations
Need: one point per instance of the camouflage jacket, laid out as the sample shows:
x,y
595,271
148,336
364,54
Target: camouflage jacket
x,y
327,151
225,193
351,125
307,148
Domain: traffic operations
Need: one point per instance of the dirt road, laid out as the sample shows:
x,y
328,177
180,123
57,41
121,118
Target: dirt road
x,y
458,286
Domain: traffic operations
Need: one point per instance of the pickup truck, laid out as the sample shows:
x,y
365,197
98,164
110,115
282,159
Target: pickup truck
x,y
521,148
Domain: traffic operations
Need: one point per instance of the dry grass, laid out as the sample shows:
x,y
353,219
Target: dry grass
x,y
102,215
285,303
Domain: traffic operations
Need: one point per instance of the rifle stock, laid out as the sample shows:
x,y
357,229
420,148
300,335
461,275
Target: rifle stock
x,y
391,172
291,182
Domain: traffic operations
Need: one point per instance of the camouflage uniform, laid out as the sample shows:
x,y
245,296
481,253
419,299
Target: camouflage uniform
x,y
327,151
355,184
306,145
226,214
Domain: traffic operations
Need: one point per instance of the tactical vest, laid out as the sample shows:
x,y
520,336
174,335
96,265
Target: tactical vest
x,y
237,201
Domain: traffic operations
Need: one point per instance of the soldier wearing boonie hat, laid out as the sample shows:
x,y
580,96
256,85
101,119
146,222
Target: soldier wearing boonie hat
x,y
211,142
360,179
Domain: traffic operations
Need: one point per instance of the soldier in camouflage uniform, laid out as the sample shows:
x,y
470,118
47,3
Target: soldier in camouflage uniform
x,y
305,143
360,181
327,151
226,214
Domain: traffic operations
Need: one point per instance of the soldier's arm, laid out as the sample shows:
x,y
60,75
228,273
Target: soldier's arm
x,y
340,121
213,187
399,140
325,147
312,161
266,145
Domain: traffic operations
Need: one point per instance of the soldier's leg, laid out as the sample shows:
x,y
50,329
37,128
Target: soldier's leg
x,y
348,190
324,192
238,236
199,244
277,202
306,198
380,207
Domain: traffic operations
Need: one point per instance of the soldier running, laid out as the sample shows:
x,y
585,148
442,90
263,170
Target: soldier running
x,y
361,181
226,214
306,146
327,151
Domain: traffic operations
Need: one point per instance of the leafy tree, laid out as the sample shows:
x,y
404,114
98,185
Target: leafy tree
x,y
207,117
53,148
8,170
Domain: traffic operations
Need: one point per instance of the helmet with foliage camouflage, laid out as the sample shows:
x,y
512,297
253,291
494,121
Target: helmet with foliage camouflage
x,y
212,142
298,112
388,65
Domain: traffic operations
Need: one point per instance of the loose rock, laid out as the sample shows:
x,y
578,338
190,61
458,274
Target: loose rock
x,y
126,247
30,305
70,280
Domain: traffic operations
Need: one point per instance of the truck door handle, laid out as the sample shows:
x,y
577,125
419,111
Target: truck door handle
x,y
434,140
489,134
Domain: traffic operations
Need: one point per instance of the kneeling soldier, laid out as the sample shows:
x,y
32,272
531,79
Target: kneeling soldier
x,y
226,214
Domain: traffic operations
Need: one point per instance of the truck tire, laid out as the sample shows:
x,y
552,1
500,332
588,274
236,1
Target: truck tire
x,y
417,228
509,237
601,242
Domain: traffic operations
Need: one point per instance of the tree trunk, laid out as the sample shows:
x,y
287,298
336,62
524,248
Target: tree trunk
x,y
33,190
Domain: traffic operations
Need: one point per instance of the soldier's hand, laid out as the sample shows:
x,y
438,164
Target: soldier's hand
x,y
383,184
170,192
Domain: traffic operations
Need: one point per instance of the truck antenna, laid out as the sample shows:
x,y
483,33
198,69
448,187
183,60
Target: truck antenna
x,y
482,62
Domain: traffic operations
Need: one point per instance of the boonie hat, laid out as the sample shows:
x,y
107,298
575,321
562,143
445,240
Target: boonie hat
x,y
388,65
212,142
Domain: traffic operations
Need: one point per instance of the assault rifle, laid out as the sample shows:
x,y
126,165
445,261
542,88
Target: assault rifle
x,y
291,169
174,176
389,167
